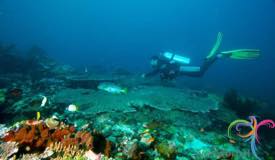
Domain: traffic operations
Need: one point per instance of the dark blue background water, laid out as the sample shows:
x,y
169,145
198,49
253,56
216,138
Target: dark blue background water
x,y
127,32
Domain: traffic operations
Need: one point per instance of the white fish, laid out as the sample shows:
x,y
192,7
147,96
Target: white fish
x,y
112,88
72,108
44,101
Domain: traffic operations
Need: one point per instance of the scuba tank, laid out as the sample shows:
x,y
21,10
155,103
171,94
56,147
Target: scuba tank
x,y
172,57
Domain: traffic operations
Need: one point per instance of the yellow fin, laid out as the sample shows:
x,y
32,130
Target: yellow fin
x,y
242,53
216,46
125,90
37,115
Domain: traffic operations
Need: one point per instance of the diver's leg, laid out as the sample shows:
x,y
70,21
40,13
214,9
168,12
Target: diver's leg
x,y
207,63
197,71
192,71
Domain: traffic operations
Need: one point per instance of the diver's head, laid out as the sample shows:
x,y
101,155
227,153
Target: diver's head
x,y
154,61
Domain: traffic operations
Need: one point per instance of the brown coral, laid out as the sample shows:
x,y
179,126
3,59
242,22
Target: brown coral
x,y
39,136
65,140
85,138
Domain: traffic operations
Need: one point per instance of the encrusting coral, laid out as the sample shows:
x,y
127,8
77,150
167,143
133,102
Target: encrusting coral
x,y
36,135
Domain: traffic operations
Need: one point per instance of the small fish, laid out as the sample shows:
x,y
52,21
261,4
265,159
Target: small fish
x,y
72,108
232,141
112,88
85,126
150,140
44,101
52,122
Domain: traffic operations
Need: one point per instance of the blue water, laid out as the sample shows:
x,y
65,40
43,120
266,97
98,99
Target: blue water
x,y
126,33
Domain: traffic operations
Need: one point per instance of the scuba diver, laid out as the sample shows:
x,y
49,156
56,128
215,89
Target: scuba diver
x,y
169,65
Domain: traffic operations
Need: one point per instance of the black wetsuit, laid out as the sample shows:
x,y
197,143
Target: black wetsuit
x,y
168,70
165,69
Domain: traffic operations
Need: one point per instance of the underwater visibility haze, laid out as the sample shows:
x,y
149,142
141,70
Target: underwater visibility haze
x,y
139,79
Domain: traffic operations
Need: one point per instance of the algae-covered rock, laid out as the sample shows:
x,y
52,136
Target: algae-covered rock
x,y
167,149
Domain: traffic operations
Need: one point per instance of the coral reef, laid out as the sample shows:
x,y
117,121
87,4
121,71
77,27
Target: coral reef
x,y
149,122
154,120
35,139
150,133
